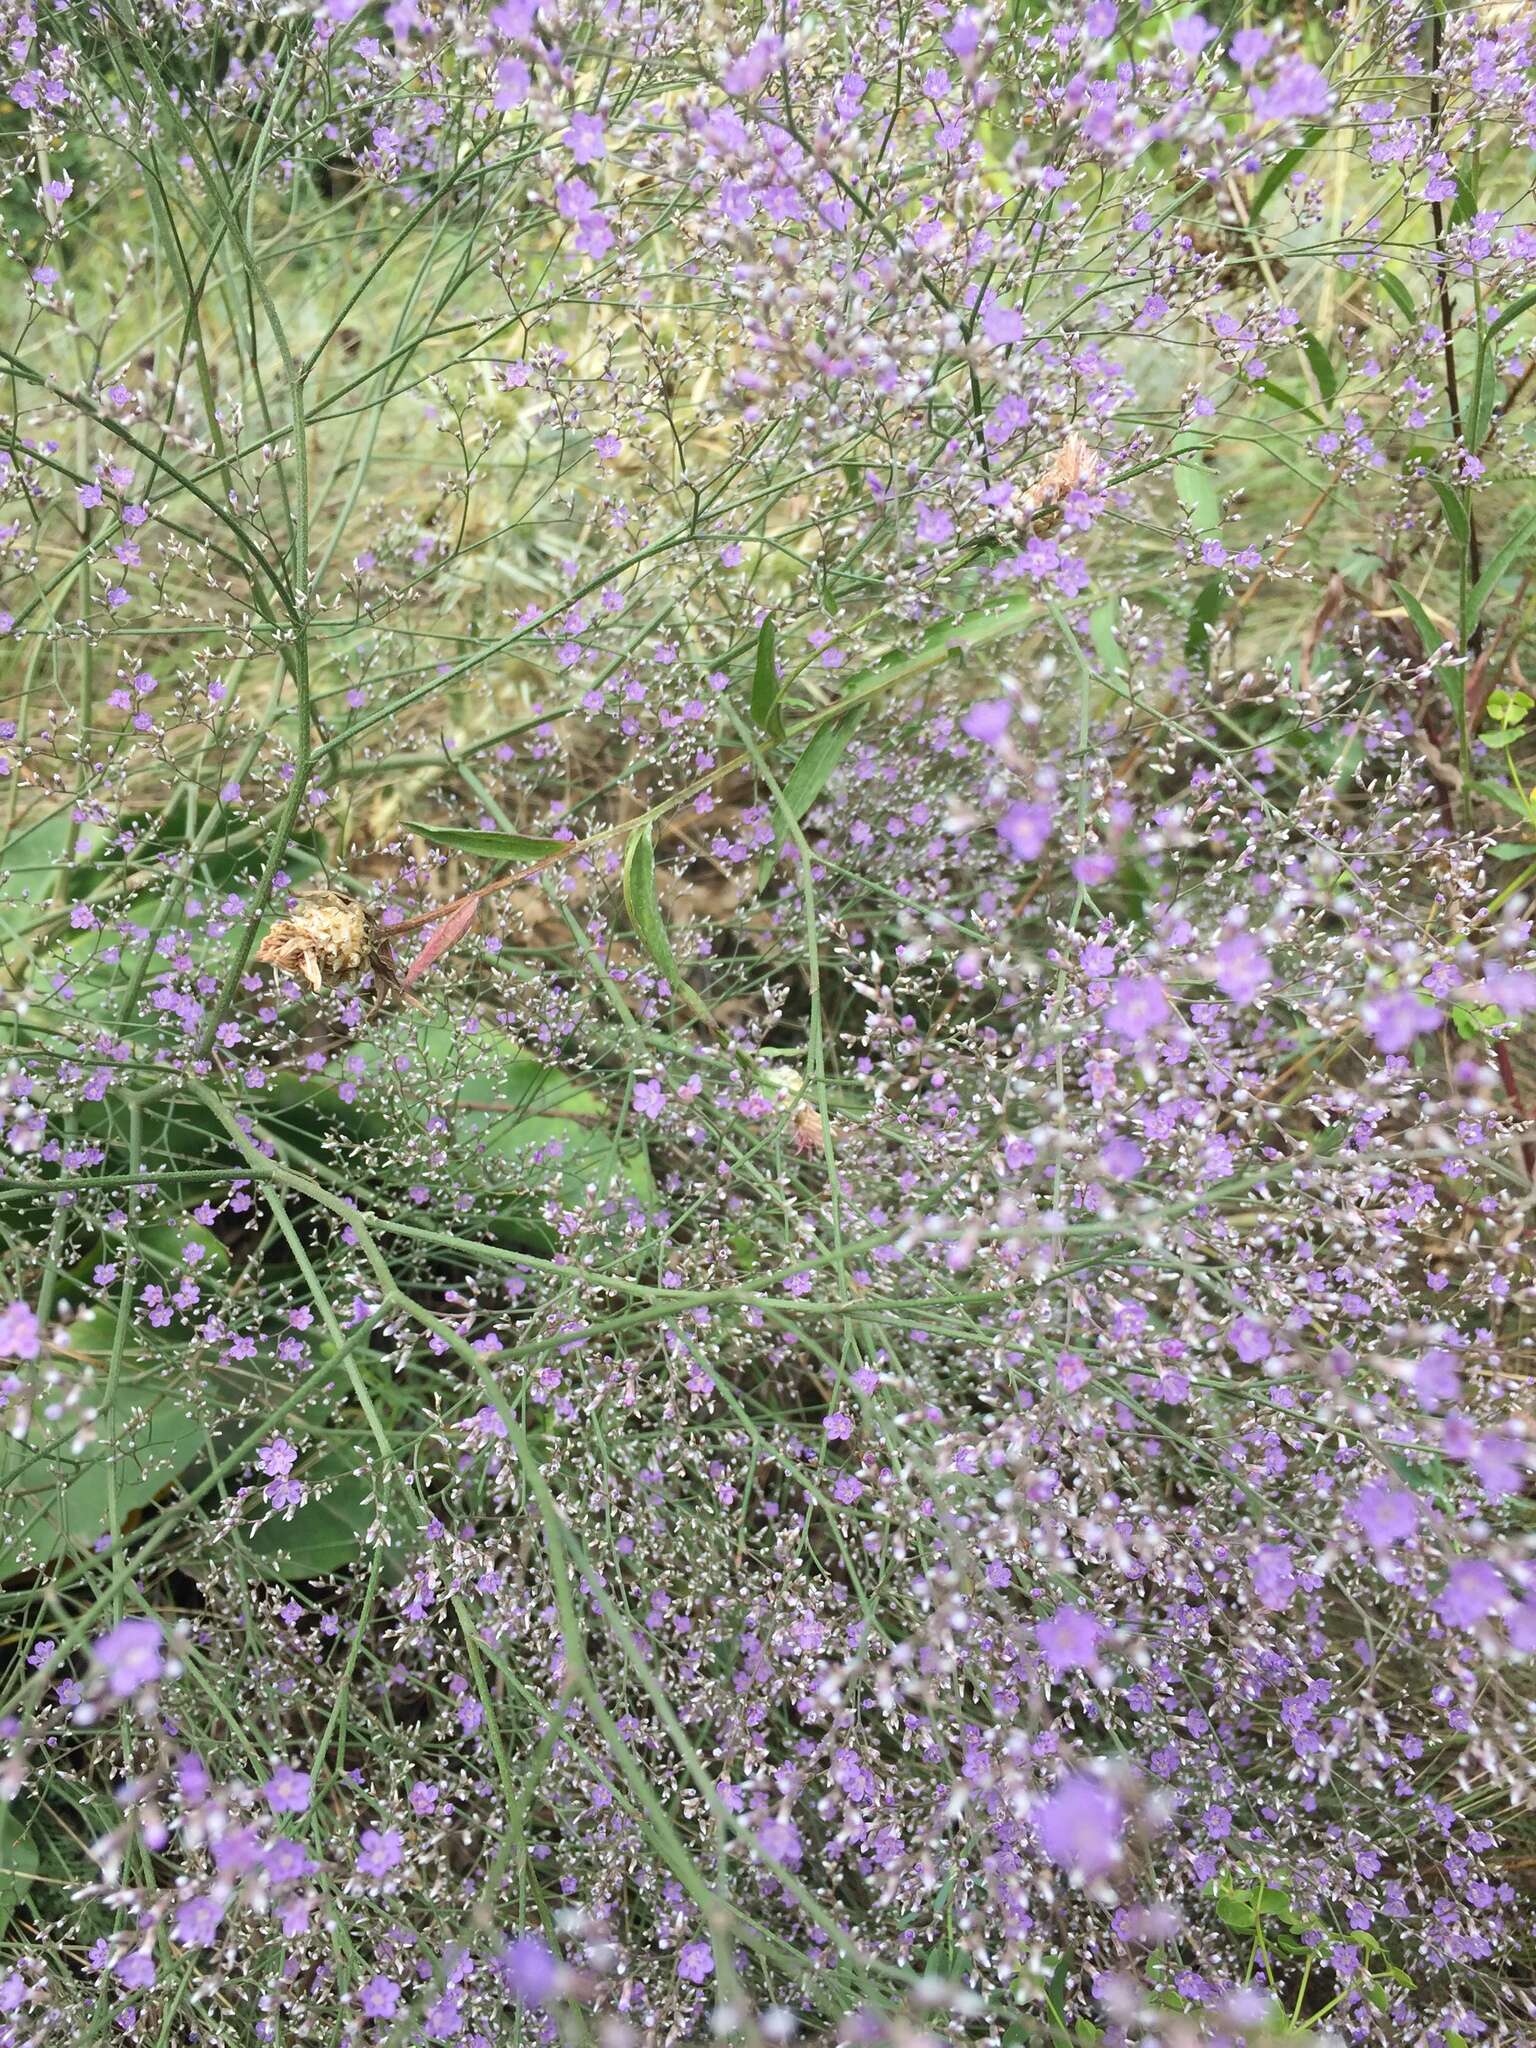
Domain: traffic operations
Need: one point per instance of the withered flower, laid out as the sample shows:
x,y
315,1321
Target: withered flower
x,y
328,939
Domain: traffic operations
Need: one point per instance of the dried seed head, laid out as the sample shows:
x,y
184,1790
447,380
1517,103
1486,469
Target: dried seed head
x,y
1073,467
806,1128
329,939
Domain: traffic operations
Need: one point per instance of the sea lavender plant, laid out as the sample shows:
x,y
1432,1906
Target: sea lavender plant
x,y
767,1179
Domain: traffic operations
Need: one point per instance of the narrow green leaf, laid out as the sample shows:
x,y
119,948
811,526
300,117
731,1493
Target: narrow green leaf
x,y
1485,388
1284,395
765,684
812,772
644,908
1510,314
1466,195
1454,509
1496,570
1328,377
1281,169
1397,292
495,846
1430,639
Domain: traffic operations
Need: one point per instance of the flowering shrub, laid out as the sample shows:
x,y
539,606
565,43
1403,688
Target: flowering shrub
x,y
766,1175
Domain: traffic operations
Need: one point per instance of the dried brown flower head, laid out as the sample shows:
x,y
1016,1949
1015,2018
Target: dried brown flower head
x,y
329,939
1073,467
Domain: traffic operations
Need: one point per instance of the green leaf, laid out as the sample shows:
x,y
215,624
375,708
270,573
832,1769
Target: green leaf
x,y
951,636
644,908
501,1105
18,1864
1282,168
1397,292
1197,492
1466,195
1454,509
1284,395
1101,627
1507,850
55,1479
1485,388
326,1533
1502,562
1236,1913
1203,615
1430,639
1328,378
1056,1991
1510,314
494,846
765,684
812,772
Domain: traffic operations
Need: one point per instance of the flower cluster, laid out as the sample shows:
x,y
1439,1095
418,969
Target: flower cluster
x,y
765,1117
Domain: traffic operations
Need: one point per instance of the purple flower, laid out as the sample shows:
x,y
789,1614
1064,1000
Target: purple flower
x,y
19,1335
379,1853
586,138
695,1962
379,1998
131,1655
529,1970
1397,1018
988,722
1473,1590
1138,1006
198,1920
1298,92
1385,1514
1025,829
1241,967
1002,325
1079,1827
287,1790
1274,1577
743,75
1069,1640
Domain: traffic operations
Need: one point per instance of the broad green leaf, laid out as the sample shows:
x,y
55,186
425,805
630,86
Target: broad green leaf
x,y
326,1533
18,1864
1285,396
503,1105
500,847
1466,194
1485,387
765,684
1106,645
55,1479
644,908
